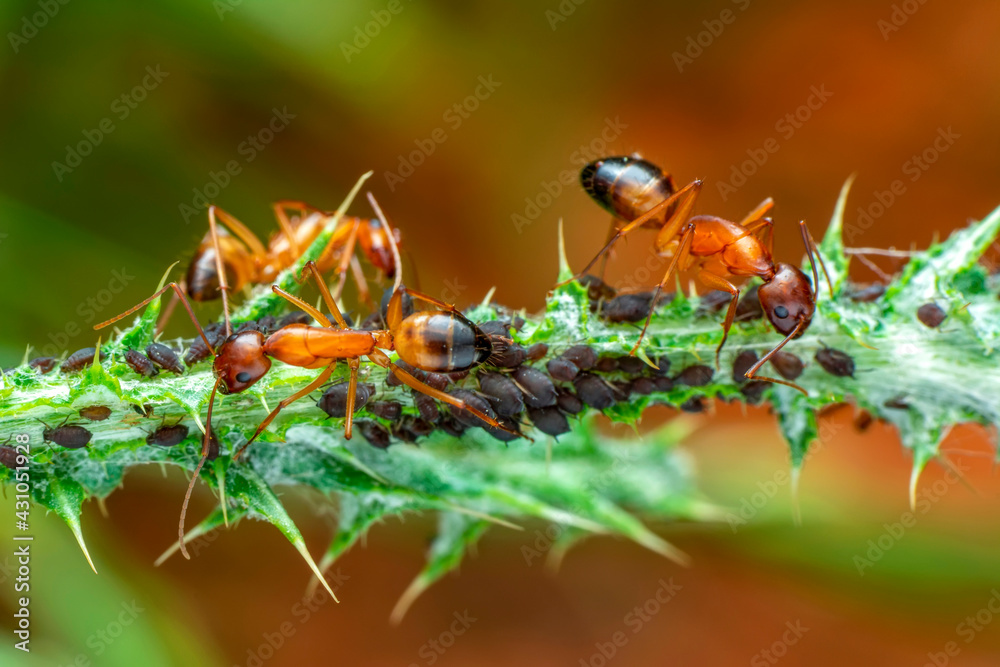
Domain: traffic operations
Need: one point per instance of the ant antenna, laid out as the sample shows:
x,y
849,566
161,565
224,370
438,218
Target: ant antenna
x,y
392,241
194,478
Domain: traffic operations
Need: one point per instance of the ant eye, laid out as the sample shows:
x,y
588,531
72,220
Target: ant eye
x,y
243,376
781,312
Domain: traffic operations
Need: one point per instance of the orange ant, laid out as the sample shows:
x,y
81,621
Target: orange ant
x,y
639,194
248,262
431,341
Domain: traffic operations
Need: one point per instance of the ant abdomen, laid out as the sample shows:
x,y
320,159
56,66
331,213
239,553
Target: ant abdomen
x,y
627,187
441,342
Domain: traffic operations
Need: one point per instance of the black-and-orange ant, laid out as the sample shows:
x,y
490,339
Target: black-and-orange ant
x,y
436,341
639,194
247,261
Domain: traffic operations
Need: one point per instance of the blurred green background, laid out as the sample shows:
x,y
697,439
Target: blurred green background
x,y
83,240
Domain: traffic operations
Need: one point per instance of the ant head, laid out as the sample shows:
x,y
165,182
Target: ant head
x,y
241,361
787,299
375,243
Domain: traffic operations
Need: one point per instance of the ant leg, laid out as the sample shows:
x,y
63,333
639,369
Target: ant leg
x,y
305,391
187,306
752,373
167,312
281,208
382,359
238,228
762,209
352,386
296,301
331,303
682,255
364,294
391,237
220,266
194,478
810,244
718,282
611,234
673,224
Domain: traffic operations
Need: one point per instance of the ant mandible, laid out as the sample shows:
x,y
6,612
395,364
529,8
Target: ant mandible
x,y
431,341
639,194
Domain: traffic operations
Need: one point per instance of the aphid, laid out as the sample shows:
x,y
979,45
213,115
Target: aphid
x,y
8,457
712,302
145,410
597,289
140,363
390,410
502,393
507,354
787,364
72,436
539,392
376,434
43,364
695,376
594,391
748,308
744,360
835,362
695,405
622,389
164,357
639,194
95,413
631,365
549,420
411,428
201,348
168,436
627,307
865,293
295,317
662,366
509,431
469,399
931,315
426,406
897,403
334,400
642,386
863,421
450,426
569,403
663,383
606,365
562,369
754,391
536,352
582,356
79,360
496,328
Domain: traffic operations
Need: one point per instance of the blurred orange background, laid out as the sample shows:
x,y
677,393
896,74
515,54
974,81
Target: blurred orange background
x,y
481,210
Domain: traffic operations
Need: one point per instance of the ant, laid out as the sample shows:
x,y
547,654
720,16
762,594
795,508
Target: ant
x,y
639,194
435,341
247,262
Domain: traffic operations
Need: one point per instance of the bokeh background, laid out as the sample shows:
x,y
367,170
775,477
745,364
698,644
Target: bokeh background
x,y
566,80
